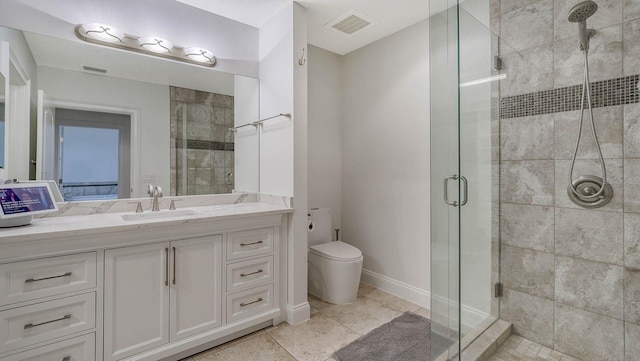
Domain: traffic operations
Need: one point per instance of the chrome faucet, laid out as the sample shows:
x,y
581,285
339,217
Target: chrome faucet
x,y
156,193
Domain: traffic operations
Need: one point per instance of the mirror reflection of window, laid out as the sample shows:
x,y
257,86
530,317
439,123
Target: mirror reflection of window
x,y
93,158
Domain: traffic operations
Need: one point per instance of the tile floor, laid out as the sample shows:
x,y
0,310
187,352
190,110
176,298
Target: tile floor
x,y
330,328
334,326
517,348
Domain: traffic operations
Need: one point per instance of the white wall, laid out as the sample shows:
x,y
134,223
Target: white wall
x,y
246,92
276,96
325,131
149,101
385,187
283,141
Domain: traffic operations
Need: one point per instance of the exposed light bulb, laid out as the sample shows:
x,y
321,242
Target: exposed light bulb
x,y
157,45
102,32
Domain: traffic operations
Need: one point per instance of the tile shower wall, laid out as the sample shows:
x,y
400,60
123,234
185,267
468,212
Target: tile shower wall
x,y
571,275
202,148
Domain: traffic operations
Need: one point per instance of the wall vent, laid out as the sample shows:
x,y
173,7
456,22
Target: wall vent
x,y
351,22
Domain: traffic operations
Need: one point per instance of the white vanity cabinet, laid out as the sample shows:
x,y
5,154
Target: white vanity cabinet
x,y
161,292
136,294
47,303
139,291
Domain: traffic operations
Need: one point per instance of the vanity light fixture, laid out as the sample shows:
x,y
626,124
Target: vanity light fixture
x,y
107,35
101,32
157,45
199,54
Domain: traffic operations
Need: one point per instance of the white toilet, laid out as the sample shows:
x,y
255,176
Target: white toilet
x,y
334,267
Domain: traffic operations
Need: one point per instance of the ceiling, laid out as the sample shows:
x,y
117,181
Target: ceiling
x,y
390,16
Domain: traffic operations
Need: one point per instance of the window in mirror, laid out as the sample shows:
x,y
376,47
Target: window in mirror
x,y
92,154
202,147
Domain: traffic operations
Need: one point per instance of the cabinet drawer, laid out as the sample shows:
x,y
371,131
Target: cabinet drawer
x,y
247,274
27,325
28,280
249,243
247,303
76,349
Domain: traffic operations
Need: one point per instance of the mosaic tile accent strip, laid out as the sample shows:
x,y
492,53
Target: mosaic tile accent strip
x,y
204,144
603,94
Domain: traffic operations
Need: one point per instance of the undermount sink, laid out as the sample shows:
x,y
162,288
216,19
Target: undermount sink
x,y
147,216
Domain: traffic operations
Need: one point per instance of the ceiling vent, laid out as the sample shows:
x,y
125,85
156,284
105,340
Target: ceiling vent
x,y
351,22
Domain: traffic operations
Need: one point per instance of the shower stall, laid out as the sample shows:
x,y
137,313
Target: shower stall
x,y
535,169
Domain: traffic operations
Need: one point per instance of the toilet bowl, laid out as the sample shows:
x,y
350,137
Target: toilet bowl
x,y
334,267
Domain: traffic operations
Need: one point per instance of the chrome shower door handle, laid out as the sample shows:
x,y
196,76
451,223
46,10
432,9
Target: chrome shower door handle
x,y
465,191
445,186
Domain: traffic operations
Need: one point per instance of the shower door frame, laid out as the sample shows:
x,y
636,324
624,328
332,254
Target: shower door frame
x,y
465,162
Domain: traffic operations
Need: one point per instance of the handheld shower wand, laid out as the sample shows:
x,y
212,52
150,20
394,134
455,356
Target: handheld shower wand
x,y
579,14
587,191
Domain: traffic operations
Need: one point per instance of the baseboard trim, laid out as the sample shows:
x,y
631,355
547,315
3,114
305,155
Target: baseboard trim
x,y
400,289
471,317
298,313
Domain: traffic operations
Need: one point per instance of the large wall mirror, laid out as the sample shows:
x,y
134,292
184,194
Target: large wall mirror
x,y
111,122
3,91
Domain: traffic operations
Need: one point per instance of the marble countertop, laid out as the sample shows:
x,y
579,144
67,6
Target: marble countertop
x,y
115,222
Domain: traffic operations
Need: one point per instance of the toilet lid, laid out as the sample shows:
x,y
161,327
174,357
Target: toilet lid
x,y
336,250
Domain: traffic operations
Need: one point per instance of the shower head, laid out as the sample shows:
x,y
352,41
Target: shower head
x,y
579,14
581,11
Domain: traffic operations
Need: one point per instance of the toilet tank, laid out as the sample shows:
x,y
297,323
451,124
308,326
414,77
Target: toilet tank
x,y
319,225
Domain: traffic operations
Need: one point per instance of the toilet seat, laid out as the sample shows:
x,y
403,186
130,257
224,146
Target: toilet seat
x,y
338,251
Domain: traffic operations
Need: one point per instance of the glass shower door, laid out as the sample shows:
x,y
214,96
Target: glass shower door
x,y
445,181
464,175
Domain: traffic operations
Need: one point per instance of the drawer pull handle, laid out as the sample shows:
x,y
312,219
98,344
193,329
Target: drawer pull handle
x,y
67,358
31,280
250,244
32,325
252,273
250,303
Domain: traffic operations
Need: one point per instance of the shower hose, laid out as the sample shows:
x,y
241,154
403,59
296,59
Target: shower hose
x,y
586,89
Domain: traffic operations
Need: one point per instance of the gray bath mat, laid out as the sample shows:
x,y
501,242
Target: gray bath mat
x,y
405,338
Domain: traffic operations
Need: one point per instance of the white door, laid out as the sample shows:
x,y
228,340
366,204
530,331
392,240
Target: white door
x,y
196,290
45,152
136,307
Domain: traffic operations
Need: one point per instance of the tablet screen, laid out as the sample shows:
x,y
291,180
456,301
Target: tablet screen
x,y
19,200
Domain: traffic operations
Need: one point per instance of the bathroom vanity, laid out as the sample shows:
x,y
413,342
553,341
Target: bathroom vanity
x,y
140,286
